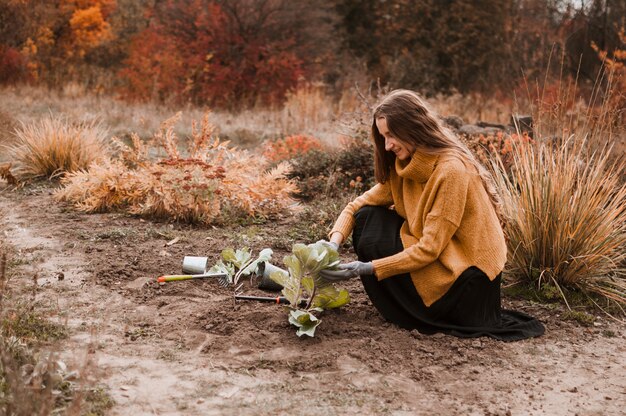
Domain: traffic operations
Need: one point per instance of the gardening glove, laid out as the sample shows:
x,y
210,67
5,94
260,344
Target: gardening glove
x,y
348,271
331,244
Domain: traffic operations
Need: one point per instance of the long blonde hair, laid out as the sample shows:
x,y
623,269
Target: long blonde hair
x,y
412,121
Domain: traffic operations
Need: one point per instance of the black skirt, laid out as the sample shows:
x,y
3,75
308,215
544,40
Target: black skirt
x,y
470,308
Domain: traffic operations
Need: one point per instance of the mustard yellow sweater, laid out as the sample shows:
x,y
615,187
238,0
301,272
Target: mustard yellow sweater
x,y
449,225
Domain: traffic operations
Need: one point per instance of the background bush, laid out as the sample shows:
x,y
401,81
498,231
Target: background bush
x,y
348,169
206,183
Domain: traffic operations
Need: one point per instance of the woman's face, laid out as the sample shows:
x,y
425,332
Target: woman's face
x,y
401,149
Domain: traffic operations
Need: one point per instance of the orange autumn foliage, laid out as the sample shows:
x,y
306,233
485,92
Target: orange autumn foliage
x,y
616,71
289,147
499,145
60,37
12,65
194,51
89,28
106,6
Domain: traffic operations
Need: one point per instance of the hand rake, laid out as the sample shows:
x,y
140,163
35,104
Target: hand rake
x,y
221,277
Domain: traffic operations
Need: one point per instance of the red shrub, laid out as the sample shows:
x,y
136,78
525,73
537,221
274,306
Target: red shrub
x,y
210,60
289,147
155,67
12,65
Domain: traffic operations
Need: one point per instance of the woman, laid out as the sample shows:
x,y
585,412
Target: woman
x,y
428,235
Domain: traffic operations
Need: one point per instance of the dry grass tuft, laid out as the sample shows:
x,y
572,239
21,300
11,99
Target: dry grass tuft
x,y
310,107
52,147
567,218
246,128
207,183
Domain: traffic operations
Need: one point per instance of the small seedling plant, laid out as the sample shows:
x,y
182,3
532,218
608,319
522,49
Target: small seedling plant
x,y
239,263
307,292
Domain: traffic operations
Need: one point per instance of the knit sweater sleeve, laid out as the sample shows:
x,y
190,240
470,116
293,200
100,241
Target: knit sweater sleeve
x,y
378,195
448,198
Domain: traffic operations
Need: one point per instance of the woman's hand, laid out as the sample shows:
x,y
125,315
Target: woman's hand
x,y
348,271
330,244
335,241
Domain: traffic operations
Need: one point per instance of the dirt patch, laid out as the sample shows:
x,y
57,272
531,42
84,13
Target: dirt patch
x,y
188,348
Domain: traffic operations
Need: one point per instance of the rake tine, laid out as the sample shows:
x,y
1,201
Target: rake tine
x,y
223,281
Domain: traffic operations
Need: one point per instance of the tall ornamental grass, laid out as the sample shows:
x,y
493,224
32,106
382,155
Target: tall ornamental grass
x,y
53,146
566,209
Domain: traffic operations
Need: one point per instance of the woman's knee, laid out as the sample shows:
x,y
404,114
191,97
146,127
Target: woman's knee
x,y
376,232
364,212
365,226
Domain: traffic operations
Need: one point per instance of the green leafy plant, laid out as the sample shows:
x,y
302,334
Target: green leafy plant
x,y
239,263
304,289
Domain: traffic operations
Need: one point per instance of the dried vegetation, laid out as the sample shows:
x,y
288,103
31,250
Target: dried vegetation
x,y
565,196
53,146
211,182
567,218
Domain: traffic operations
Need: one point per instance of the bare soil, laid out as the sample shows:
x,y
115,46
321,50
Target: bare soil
x,y
187,348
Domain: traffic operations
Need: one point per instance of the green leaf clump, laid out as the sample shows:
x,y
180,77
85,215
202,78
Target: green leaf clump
x,y
303,287
239,263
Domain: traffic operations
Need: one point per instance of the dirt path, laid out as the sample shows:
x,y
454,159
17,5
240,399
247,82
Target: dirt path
x,y
187,348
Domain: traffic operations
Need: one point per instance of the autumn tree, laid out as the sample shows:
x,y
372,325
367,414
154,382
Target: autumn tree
x,y
232,52
596,22
12,65
427,44
228,53
64,40
15,27
476,45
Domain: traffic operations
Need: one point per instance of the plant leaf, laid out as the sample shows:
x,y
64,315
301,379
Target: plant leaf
x,y
329,297
238,258
228,254
308,284
221,267
293,266
305,322
264,256
280,277
315,257
291,280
